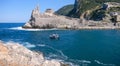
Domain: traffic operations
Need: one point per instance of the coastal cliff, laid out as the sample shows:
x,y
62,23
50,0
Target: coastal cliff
x,y
50,20
13,54
99,15
96,10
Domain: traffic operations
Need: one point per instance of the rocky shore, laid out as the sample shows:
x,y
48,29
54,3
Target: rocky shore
x,y
17,55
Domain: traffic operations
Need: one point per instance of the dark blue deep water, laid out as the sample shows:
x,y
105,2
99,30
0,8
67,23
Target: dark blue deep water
x,y
79,47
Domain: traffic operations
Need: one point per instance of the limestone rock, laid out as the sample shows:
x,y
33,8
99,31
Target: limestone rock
x,y
49,20
27,25
3,49
13,54
49,12
51,63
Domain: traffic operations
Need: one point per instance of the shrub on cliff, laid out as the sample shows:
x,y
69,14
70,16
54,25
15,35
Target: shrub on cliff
x,y
65,10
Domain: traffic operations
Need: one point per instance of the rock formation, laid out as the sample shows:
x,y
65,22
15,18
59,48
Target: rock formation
x,y
86,20
17,55
50,20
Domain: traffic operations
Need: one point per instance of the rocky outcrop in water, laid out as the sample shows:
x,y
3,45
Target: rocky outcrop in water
x,y
49,20
17,55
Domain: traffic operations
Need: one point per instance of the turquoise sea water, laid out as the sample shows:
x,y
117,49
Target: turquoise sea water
x,y
76,47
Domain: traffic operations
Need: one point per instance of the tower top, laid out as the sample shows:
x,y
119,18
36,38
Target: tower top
x,y
37,7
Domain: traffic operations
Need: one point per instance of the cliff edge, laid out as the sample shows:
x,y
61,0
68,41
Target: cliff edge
x,y
17,55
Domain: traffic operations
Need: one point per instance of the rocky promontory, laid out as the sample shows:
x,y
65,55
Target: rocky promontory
x,y
50,20
13,54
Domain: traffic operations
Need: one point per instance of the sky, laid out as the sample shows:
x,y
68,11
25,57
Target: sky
x,y
20,10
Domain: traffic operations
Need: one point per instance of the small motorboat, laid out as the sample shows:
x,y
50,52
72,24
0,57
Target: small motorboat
x,y
54,36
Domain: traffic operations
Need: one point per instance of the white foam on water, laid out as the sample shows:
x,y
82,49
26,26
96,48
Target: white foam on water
x,y
20,28
62,61
58,51
80,61
11,42
25,44
98,62
63,58
85,61
51,56
41,45
70,63
28,45
60,56
16,28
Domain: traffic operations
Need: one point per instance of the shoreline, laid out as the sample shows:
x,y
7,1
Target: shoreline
x,y
79,28
14,54
104,28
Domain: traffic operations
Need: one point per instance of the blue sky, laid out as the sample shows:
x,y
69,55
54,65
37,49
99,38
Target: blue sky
x,y
20,10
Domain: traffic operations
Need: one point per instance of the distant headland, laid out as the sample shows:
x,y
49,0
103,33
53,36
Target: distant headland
x,y
50,19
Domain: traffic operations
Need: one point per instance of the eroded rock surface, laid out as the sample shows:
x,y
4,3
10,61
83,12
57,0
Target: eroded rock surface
x,y
17,55
49,20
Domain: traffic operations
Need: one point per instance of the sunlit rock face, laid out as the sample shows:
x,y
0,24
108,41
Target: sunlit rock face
x,y
48,20
13,54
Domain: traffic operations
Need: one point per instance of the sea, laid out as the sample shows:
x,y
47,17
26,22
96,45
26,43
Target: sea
x,y
75,47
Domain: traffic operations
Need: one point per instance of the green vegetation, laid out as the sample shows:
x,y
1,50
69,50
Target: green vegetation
x,y
98,14
114,9
65,10
91,5
85,5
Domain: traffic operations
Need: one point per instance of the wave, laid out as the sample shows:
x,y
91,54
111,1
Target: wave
x,y
11,42
58,55
98,62
58,52
20,28
28,45
80,62
25,44
41,45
